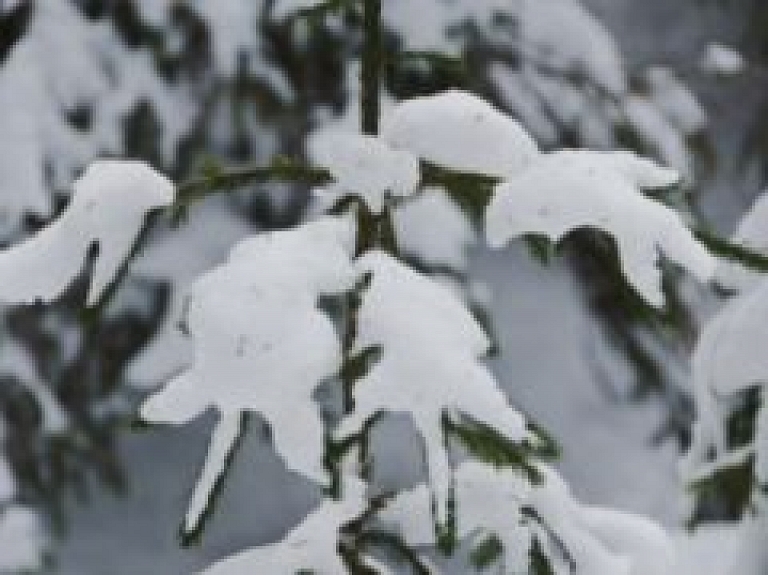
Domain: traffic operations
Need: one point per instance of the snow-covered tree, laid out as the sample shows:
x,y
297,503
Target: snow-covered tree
x,y
333,302
165,79
727,461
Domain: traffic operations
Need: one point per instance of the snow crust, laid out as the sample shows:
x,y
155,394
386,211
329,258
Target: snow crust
x,y
458,130
108,208
572,189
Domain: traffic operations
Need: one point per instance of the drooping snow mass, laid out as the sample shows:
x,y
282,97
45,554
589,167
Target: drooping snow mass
x,y
752,232
429,364
311,546
108,208
363,166
458,130
433,228
262,345
574,189
722,60
575,538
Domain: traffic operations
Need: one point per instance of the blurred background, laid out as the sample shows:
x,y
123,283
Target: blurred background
x,y
184,84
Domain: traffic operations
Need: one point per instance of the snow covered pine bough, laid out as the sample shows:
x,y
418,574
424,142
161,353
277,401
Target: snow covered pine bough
x,y
333,303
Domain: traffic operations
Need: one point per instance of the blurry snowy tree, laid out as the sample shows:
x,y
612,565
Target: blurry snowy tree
x,y
175,82
726,465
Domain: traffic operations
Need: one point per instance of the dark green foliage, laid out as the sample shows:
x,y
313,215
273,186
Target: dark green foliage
x,y
540,564
728,493
731,251
487,552
486,444
13,25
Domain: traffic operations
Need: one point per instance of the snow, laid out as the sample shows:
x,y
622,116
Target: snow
x,y
458,130
222,443
30,120
312,545
174,106
219,447
658,133
725,359
492,501
752,233
675,100
710,550
528,27
156,12
433,228
63,63
434,25
521,100
363,166
262,345
573,189
587,47
177,256
234,25
722,60
430,346
7,481
9,5
108,207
